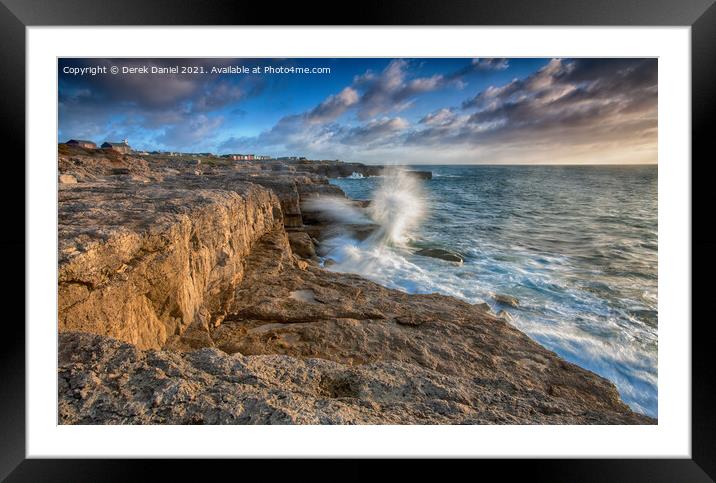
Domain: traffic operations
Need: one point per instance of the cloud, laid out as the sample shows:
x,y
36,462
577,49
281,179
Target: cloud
x,y
569,106
146,107
295,134
196,130
375,130
217,95
236,144
479,65
442,117
490,64
583,99
370,94
333,106
564,85
391,90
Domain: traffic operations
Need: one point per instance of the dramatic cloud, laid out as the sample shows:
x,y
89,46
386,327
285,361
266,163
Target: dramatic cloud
x,y
584,101
443,117
334,106
216,96
451,110
369,95
374,130
390,90
574,108
571,91
490,64
169,108
478,65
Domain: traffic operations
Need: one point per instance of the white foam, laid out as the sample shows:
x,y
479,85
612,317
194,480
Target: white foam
x,y
398,207
337,209
575,323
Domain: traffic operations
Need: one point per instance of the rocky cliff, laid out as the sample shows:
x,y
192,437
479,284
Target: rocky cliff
x,y
192,295
142,263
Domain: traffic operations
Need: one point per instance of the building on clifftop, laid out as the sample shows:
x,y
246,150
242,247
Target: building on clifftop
x,y
239,157
122,147
81,143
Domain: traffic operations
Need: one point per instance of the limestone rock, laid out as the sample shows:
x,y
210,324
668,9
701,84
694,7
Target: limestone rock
x,y
105,381
301,244
182,301
137,262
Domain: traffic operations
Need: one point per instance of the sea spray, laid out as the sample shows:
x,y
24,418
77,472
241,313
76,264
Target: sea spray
x,y
576,245
340,210
397,208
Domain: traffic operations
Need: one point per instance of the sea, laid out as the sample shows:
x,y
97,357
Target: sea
x,y
576,245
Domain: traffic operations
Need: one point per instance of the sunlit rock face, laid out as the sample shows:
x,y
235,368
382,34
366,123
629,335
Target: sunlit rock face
x,y
197,297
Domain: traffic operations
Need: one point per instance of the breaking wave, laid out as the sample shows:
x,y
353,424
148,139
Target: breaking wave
x,y
391,219
577,246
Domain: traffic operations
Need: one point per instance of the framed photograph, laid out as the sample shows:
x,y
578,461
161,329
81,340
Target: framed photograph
x,y
461,231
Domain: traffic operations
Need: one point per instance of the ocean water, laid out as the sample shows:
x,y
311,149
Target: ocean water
x,y
577,245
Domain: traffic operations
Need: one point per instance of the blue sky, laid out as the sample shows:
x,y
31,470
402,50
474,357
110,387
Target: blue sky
x,y
449,110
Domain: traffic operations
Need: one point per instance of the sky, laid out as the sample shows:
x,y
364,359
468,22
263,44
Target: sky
x,y
381,110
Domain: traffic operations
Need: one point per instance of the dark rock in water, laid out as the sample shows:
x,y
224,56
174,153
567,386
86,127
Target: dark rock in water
x,y
361,231
421,174
358,231
441,254
506,300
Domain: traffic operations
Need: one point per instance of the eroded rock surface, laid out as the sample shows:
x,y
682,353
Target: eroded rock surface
x,y
105,381
139,262
314,347
193,297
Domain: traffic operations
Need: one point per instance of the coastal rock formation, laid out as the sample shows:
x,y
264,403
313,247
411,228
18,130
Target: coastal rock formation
x,y
302,244
440,253
332,169
424,175
190,298
506,300
139,262
105,381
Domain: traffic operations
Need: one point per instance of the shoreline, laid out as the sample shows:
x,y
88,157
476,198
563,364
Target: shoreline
x,y
191,276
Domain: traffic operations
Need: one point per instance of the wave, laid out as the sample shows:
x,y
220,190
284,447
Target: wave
x,y
568,301
397,208
337,209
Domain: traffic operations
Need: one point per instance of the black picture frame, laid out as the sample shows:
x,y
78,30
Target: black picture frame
x,y
700,15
